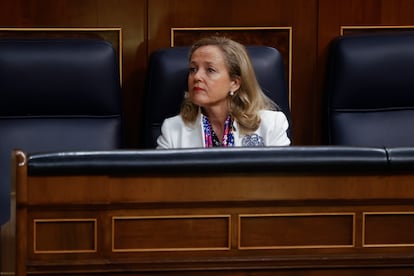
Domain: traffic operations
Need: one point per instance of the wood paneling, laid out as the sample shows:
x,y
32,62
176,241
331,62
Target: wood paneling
x,y
64,235
228,224
401,223
305,230
179,233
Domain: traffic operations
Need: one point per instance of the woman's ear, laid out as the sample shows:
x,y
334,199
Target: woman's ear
x,y
235,84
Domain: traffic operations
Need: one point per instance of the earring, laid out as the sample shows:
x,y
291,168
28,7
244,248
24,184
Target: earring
x,y
231,93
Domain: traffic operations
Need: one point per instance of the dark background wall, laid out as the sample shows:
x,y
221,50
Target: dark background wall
x,y
146,26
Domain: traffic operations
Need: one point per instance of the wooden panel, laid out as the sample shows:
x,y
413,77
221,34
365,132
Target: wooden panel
x,y
219,188
64,235
180,224
171,233
227,224
388,229
305,231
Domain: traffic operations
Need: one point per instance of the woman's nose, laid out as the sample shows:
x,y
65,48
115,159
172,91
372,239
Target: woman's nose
x,y
197,75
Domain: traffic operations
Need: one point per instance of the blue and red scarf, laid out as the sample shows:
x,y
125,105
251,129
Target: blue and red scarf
x,y
210,137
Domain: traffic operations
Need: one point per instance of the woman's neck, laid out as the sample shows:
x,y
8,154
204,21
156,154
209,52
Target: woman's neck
x,y
217,118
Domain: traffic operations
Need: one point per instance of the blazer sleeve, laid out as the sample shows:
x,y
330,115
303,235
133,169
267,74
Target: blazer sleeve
x,y
277,126
164,140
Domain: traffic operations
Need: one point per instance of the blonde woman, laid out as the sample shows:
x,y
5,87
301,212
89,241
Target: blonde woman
x,y
224,105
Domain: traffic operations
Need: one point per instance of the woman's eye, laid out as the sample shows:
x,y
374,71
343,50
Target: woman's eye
x,y
211,70
192,69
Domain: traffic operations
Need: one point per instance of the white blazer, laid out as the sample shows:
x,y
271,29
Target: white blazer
x,y
271,132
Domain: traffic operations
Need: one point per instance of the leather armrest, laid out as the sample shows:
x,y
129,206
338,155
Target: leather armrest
x,y
401,158
235,160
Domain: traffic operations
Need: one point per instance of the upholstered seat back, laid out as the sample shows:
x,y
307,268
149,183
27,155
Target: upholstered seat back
x,y
56,94
370,90
167,82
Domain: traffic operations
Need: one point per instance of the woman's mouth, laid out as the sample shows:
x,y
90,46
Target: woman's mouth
x,y
198,89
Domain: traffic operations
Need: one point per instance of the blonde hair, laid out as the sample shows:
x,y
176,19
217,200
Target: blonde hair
x,y
248,100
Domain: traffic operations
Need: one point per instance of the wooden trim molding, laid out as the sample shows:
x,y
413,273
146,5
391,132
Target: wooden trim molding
x,y
345,30
397,229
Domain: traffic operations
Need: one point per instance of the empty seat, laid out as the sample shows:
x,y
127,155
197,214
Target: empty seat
x,y
56,94
370,90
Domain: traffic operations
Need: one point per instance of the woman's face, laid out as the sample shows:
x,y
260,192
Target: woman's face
x,y
209,81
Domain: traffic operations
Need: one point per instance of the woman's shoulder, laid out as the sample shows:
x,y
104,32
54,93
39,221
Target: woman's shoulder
x,y
177,121
271,114
174,118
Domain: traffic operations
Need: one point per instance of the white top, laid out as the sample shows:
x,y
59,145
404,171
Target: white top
x,y
272,131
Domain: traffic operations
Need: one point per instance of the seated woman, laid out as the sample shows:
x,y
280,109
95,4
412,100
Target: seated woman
x,y
224,105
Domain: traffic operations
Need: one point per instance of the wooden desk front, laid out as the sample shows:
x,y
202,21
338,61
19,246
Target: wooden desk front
x,y
214,224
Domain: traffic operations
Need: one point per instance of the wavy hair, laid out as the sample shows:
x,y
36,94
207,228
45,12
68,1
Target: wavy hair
x,y
248,100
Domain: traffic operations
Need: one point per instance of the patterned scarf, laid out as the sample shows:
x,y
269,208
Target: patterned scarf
x,y
210,137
